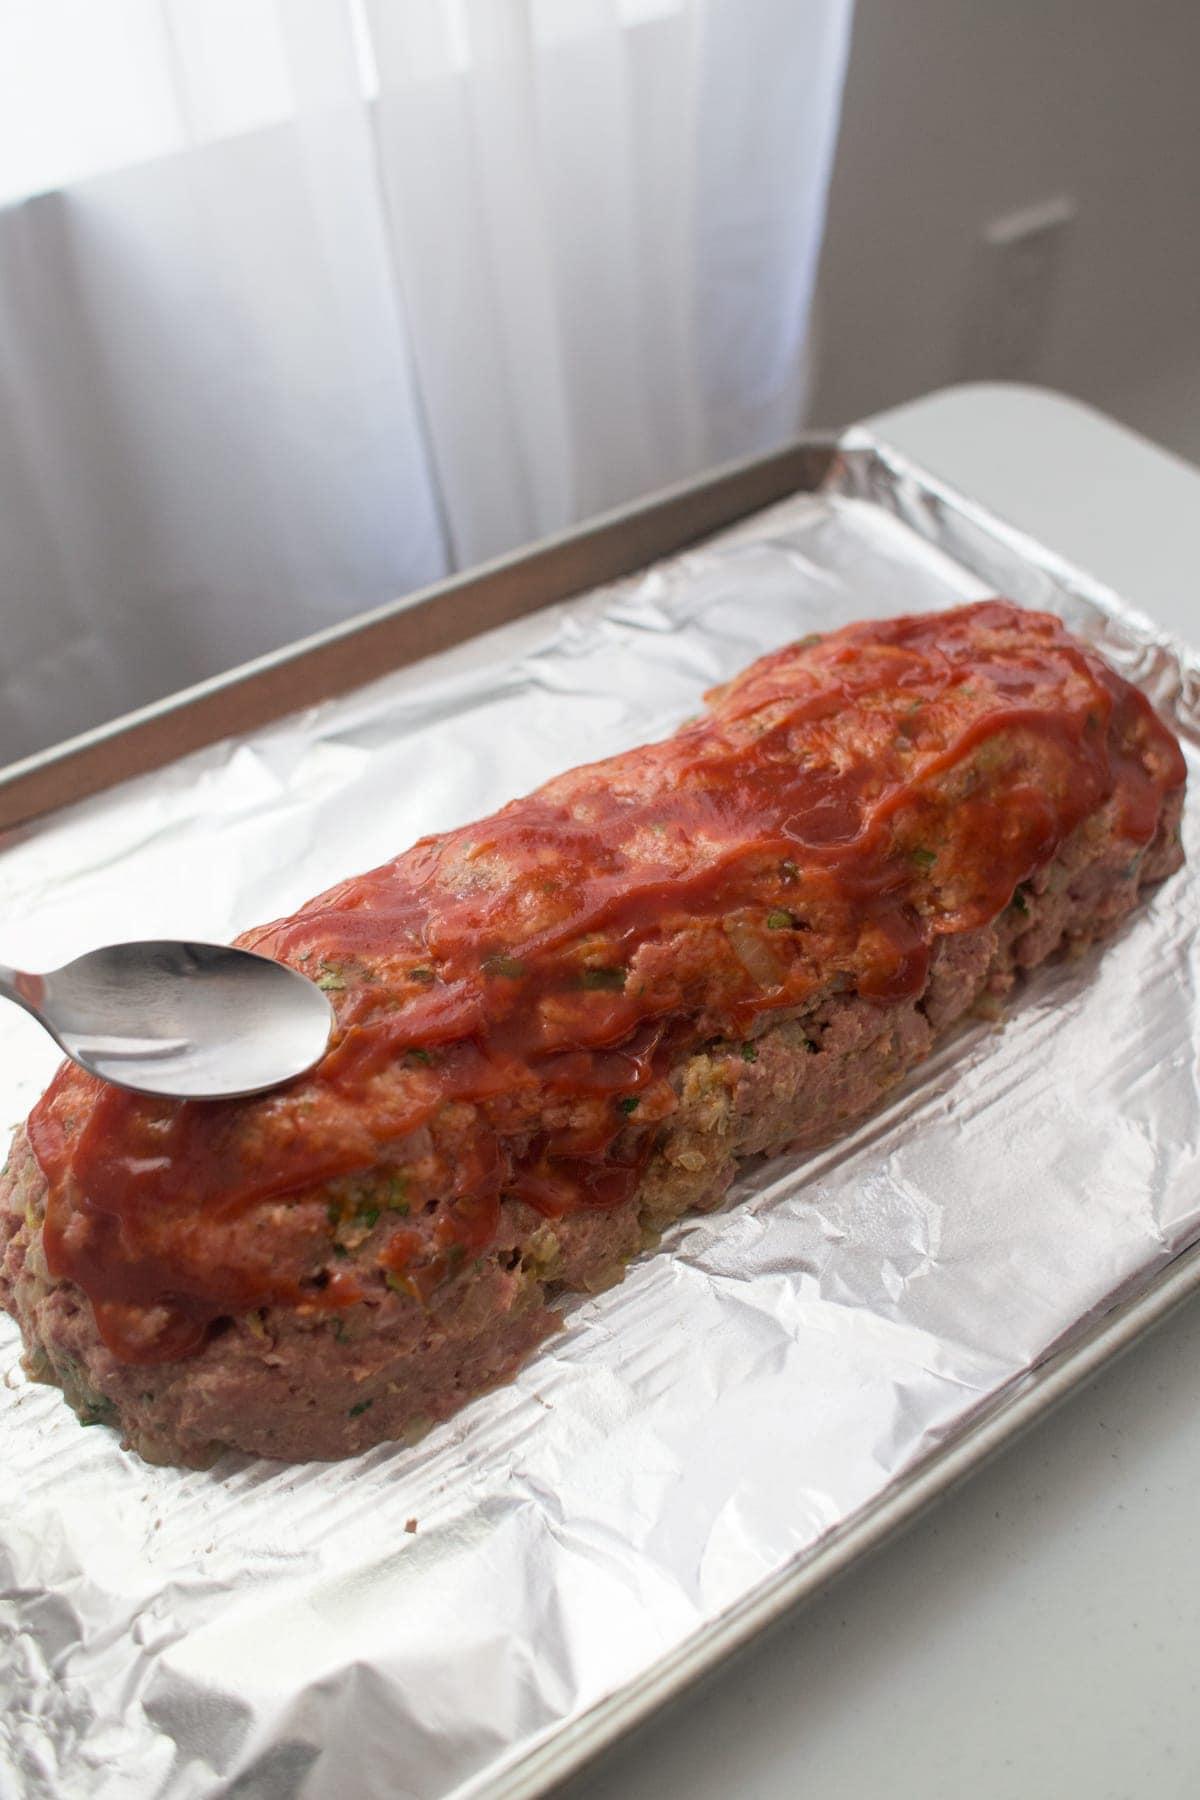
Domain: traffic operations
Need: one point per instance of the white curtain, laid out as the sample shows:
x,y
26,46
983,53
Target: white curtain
x,y
325,297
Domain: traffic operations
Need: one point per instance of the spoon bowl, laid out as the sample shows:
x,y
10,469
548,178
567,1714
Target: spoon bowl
x,y
180,1019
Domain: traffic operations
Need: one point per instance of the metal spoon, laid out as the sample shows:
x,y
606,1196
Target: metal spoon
x,y
192,1021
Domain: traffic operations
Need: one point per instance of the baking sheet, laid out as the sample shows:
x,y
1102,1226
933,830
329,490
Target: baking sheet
x,y
695,1436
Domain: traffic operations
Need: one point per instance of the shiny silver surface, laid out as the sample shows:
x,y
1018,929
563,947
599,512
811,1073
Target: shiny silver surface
x,y
759,1403
185,1020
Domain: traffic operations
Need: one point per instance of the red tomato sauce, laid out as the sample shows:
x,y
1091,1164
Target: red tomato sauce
x,y
532,977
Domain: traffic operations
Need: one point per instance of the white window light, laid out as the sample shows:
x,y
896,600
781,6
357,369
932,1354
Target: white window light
x,y
88,87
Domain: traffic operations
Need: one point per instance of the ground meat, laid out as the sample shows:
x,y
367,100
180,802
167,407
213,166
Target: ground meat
x,y
283,1384
561,1028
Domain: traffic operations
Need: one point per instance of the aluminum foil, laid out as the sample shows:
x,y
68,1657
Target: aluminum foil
x,y
418,1622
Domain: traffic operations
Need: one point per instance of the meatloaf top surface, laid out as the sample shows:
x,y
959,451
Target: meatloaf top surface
x,y
510,995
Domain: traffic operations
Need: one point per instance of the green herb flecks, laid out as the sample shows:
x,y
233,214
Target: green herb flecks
x,y
510,967
629,1104
778,920
610,979
360,1407
422,975
749,1052
923,858
97,1412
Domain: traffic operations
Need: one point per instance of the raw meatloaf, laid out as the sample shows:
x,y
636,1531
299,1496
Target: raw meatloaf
x,y
563,1027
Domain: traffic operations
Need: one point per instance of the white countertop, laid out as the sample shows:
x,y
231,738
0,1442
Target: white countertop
x,y
1037,1635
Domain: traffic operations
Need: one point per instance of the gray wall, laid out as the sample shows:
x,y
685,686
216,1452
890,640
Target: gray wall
x,y
957,111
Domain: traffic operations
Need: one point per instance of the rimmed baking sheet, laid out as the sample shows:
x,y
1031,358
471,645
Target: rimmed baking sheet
x,y
763,1399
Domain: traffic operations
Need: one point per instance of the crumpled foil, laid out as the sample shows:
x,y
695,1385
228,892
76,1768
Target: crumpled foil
x,y
416,1622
